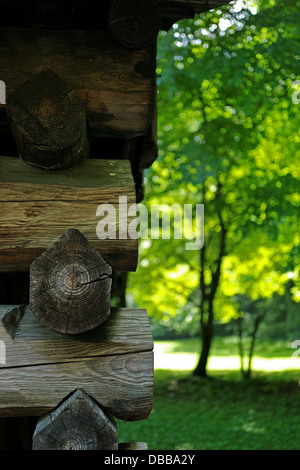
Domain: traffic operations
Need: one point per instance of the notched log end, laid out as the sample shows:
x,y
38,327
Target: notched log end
x,y
77,423
70,285
48,122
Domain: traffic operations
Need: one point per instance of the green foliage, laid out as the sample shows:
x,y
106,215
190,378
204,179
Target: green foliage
x,y
226,119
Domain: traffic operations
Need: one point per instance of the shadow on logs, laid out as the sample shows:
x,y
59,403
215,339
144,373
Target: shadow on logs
x,y
134,24
48,122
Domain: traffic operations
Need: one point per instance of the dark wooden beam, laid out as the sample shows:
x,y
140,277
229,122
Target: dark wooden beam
x,y
114,82
134,23
91,14
48,122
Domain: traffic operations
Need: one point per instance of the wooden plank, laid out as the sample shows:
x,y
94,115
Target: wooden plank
x,y
29,343
122,384
38,207
113,364
89,13
112,80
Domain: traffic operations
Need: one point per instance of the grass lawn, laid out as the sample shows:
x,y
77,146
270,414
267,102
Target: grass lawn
x,y
225,413
183,355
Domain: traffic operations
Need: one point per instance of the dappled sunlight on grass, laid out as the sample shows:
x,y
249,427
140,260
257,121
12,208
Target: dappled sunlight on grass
x,y
183,355
224,413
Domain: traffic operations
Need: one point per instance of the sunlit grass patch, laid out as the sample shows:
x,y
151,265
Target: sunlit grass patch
x,y
183,355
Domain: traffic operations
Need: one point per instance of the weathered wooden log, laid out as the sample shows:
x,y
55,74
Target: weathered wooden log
x,y
113,364
112,80
70,285
134,23
78,423
48,122
37,207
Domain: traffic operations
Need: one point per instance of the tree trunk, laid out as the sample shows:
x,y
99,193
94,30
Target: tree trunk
x,y
247,374
241,348
207,300
207,334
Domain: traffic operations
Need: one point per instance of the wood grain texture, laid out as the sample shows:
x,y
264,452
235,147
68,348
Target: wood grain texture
x,y
78,423
111,80
113,364
30,343
70,285
134,23
38,207
48,122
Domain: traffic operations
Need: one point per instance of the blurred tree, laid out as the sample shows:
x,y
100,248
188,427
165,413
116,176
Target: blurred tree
x,y
228,134
256,310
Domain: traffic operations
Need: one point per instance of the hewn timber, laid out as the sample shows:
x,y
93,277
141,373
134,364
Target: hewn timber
x,y
134,23
38,207
48,122
70,285
125,331
112,80
90,14
78,423
113,364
